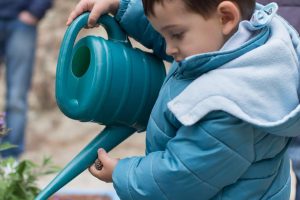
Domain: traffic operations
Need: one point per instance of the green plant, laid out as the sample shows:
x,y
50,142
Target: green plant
x,y
18,179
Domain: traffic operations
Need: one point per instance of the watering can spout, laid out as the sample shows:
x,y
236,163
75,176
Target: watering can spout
x,y
109,138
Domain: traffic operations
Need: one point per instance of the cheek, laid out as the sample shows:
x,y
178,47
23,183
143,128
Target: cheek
x,y
195,48
197,42
192,46
205,43
213,40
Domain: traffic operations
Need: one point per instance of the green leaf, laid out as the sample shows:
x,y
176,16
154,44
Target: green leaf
x,y
18,180
47,161
6,146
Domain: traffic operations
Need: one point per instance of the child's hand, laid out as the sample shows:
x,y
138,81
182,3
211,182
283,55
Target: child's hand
x,y
104,174
96,7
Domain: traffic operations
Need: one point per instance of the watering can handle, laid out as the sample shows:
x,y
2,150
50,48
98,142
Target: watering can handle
x,y
111,26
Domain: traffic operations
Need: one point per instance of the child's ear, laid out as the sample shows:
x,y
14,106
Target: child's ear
x,y
230,16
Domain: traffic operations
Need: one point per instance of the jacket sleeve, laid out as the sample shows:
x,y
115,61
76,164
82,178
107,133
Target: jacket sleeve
x,y
198,162
132,19
39,7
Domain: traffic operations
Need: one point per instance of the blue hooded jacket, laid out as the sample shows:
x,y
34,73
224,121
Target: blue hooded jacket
x,y
223,120
10,9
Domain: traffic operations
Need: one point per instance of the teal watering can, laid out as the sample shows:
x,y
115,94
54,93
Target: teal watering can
x,y
104,81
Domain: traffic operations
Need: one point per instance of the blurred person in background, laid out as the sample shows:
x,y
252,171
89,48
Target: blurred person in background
x,y
18,35
290,10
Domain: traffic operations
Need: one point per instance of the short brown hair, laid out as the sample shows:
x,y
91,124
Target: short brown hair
x,y
205,7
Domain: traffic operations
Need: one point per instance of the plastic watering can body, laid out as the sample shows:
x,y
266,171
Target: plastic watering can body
x,y
107,82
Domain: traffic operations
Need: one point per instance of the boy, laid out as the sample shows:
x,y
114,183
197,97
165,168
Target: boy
x,y
228,107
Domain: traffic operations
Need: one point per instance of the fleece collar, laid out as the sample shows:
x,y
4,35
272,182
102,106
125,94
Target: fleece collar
x,y
260,85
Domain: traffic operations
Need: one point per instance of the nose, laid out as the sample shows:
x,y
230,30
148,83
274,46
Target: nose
x,y
171,50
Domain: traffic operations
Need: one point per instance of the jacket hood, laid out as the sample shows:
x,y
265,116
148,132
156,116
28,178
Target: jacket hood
x,y
261,86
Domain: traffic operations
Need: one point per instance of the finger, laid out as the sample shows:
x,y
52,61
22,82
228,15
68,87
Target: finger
x,y
105,159
80,8
97,173
87,27
96,12
98,164
94,171
102,175
103,156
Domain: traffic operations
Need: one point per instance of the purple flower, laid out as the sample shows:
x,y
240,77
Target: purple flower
x,y
3,129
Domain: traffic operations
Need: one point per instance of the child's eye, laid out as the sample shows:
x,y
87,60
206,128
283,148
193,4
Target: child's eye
x,y
177,36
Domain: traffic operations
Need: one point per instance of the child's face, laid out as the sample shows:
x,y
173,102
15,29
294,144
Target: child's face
x,y
186,33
